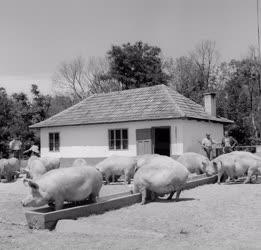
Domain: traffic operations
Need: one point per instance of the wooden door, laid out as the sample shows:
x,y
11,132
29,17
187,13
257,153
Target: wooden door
x,y
143,139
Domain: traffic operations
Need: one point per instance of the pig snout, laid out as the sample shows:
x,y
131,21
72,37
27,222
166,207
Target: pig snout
x,y
27,201
210,169
31,201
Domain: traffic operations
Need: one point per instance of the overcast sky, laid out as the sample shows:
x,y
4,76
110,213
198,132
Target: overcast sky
x,y
37,35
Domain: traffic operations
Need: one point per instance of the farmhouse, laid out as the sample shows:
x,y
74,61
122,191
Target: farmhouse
x,y
132,122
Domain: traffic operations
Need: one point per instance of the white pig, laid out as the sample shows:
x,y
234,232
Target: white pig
x,y
160,175
117,165
237,164
37,166
64,184
195,163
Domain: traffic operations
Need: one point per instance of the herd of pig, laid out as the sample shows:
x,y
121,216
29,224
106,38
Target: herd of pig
x,y
155,175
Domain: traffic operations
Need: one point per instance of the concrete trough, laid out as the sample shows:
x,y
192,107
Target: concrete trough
x,y
46,217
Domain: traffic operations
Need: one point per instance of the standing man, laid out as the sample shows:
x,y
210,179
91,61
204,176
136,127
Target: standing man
x,y
15,146
228,143
207,145
34,150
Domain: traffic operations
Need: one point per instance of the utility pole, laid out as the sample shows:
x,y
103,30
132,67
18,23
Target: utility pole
x,y
258,40
258,36
258,65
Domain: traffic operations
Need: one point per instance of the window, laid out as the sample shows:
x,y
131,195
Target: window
x,y
118,139
54,142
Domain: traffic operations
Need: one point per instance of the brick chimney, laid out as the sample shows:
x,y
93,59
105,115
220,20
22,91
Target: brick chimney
x,y
210,103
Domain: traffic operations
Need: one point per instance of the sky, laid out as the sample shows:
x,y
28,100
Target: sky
x,y
36,35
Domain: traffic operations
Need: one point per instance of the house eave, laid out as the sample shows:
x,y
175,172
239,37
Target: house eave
x,y
139,120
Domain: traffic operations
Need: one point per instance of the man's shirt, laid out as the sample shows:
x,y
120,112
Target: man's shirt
x,y
207,142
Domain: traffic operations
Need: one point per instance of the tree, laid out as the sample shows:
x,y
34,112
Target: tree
x,y
136,65
196,73
80,78
241,99
59,103
40,105
5,117
183,76
205,58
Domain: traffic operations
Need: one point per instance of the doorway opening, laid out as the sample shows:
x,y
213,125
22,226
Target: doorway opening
x,y
162,140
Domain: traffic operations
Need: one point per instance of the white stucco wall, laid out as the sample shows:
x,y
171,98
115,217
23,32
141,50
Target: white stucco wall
x,y
92,140
194,131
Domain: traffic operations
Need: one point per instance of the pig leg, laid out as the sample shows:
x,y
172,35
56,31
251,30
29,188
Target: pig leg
x,y
198,172
220,173
59,204
249,175
93,198
256,177
171,194
153,196
248,180
106,179
230,179
177,195
127,178
143,195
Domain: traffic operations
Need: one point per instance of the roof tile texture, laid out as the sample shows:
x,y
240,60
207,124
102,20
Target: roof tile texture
x,y
150,103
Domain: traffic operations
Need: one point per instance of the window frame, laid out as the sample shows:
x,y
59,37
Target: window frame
x,y
55,144
112,143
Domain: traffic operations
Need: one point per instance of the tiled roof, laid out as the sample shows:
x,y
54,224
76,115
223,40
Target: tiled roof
x,y
150,103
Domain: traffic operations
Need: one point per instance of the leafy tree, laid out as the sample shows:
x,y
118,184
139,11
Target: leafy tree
x,y
136,65
241,92
5,117
40,105
17,113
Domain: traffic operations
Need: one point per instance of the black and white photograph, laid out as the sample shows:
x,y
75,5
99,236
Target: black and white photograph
x,y
130,124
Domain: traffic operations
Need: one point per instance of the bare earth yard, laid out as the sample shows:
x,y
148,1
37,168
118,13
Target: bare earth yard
x,y
208,217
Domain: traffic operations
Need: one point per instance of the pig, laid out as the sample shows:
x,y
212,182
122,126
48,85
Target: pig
x,y
142,159
117,165
195,163
35,169
79,162
50,162
160,175
64,184
247,165
236,164
37,166
10,168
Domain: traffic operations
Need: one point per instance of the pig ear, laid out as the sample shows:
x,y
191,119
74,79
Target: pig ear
x,y
25,181
215,165
33,184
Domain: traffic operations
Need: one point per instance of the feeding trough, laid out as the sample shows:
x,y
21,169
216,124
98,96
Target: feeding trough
x,y
46,218
200,180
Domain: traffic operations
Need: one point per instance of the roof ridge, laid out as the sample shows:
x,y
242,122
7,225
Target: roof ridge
x,y
124,90
166,90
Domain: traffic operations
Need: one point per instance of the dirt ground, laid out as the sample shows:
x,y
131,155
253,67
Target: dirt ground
x,y
207,217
